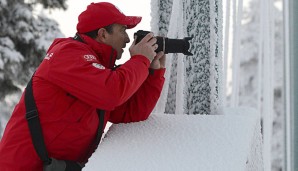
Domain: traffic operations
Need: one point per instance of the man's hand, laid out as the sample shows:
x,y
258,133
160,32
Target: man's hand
x,y
159,61
145,47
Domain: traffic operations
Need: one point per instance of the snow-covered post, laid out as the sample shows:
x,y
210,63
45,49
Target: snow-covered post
x,y
203,21
267,86
237,16
226,49
176,29
160,13
192,82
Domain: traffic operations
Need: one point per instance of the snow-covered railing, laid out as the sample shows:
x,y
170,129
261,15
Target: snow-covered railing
x,y
230,142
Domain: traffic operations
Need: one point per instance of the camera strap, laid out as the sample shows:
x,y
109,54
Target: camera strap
x,y
34,125
38,139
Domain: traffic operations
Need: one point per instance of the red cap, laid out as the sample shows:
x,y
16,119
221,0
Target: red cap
x,y
98,15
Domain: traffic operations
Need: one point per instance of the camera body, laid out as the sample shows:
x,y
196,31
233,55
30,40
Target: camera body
x,y
167,45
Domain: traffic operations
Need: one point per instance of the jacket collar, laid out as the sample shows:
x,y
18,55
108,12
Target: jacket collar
x,y
105,53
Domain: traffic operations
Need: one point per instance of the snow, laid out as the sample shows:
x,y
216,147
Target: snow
x,y
1,66
6,107
21,12
229,142
3,2
7,49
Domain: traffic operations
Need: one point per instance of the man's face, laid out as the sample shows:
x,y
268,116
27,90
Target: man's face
x,y
118,39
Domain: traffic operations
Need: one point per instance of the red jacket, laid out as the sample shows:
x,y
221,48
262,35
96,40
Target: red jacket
x,y
74,80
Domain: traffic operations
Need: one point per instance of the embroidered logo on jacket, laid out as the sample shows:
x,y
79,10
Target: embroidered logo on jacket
x,y
97,65
89,58
48,56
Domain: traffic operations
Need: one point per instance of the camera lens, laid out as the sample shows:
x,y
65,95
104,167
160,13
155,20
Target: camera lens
x,y
177,46
167,45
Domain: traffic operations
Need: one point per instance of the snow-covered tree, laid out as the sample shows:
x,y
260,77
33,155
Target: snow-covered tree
x,y
24,39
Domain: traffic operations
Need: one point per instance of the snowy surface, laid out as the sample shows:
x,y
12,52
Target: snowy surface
x,y
229,142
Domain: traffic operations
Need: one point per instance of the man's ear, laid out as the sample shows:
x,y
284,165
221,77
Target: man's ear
x,y
101,35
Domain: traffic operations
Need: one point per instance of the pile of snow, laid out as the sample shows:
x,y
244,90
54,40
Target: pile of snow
x,y
230,142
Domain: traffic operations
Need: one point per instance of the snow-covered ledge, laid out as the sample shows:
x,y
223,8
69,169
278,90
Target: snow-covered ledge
x,y
229,142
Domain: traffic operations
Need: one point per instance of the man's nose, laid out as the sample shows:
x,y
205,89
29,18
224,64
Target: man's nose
x,y
127,40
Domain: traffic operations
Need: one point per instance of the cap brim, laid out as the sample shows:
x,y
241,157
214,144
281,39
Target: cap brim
x,y
130,21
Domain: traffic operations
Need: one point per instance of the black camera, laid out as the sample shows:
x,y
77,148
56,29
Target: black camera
x,y
167,45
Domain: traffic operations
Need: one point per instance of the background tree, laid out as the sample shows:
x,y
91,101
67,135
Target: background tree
x,y
24,39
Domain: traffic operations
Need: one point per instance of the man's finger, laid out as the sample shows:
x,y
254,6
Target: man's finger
x,y
147,37
159,55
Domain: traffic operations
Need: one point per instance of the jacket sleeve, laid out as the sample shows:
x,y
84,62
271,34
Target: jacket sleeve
x,y
141,104
88,80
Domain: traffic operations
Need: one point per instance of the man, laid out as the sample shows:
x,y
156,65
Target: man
x,y
76,78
